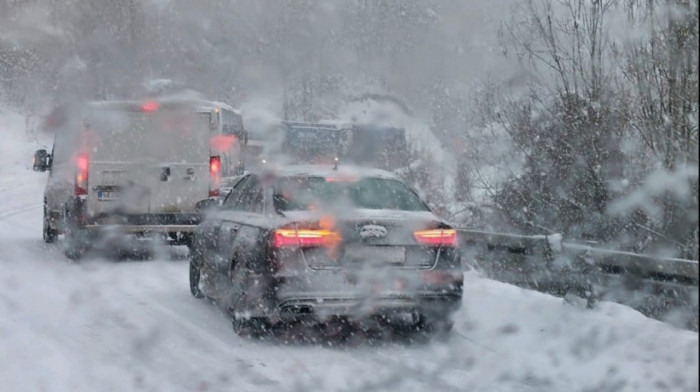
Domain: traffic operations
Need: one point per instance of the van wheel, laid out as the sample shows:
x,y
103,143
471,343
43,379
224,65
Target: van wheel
x,y
48,234
195,277
76,239
75,246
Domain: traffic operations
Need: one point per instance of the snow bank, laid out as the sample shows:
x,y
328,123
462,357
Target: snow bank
x,y
260,117
16,145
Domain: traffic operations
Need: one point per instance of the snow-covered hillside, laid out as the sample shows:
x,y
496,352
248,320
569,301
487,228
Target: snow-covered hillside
x,y
105,325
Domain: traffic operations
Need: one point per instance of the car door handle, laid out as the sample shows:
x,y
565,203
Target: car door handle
x,y
189,175
233,229
165,174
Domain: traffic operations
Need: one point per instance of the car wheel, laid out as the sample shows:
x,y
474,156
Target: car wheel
x,y
250,327
195,276
48,234
437,327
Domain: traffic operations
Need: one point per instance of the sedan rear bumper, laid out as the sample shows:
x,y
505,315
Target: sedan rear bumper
x,y
333,293
322,307
363,308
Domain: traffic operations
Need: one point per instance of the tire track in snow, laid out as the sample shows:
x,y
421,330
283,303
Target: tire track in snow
x,y
18,210
213,340
221,345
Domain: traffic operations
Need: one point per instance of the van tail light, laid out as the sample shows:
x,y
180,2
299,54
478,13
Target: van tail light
x,y
304,238
81,175
437,237
150,106
214,176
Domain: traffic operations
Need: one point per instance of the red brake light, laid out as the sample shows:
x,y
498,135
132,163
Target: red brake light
x,y
436,237
214,165
150,106
304,238
214,176
81,174
82,162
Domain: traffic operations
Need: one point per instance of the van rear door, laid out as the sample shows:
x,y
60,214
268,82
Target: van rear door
x,y
146,162
183,154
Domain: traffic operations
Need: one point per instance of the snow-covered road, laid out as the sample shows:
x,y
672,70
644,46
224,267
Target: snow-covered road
x,y
106,325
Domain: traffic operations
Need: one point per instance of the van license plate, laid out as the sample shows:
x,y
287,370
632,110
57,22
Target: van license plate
x,y
107,195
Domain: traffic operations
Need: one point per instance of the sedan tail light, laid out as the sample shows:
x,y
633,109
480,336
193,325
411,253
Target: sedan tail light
x,y
304,238
437,237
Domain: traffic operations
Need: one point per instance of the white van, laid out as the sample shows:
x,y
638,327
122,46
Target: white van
x,y
137,167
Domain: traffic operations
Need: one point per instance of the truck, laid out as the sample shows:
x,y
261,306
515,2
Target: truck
x,y
378,146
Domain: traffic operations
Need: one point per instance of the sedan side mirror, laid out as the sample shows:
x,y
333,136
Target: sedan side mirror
x,y
42,160
209,204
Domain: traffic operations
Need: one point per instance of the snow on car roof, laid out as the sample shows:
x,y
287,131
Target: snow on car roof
x,y
328,171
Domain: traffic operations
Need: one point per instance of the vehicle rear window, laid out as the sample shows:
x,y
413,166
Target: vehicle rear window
x,y
305,193
312,144
379,147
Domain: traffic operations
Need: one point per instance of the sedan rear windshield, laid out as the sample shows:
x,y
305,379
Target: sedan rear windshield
x,y
308,193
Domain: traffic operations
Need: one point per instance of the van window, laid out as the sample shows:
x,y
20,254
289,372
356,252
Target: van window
x,y
231,123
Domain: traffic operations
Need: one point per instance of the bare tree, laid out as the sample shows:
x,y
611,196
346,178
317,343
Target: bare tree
x,y
661,69
568,126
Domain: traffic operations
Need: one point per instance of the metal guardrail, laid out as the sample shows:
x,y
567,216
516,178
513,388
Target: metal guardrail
x,y
512,242
656,286
517,259
550,247
645,266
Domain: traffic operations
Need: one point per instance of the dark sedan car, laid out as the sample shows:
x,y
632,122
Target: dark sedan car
x,y
313,243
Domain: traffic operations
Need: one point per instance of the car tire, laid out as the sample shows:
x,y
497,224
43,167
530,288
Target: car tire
x,y
75,249
252,327
436,327
48,234
76,239
195,277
